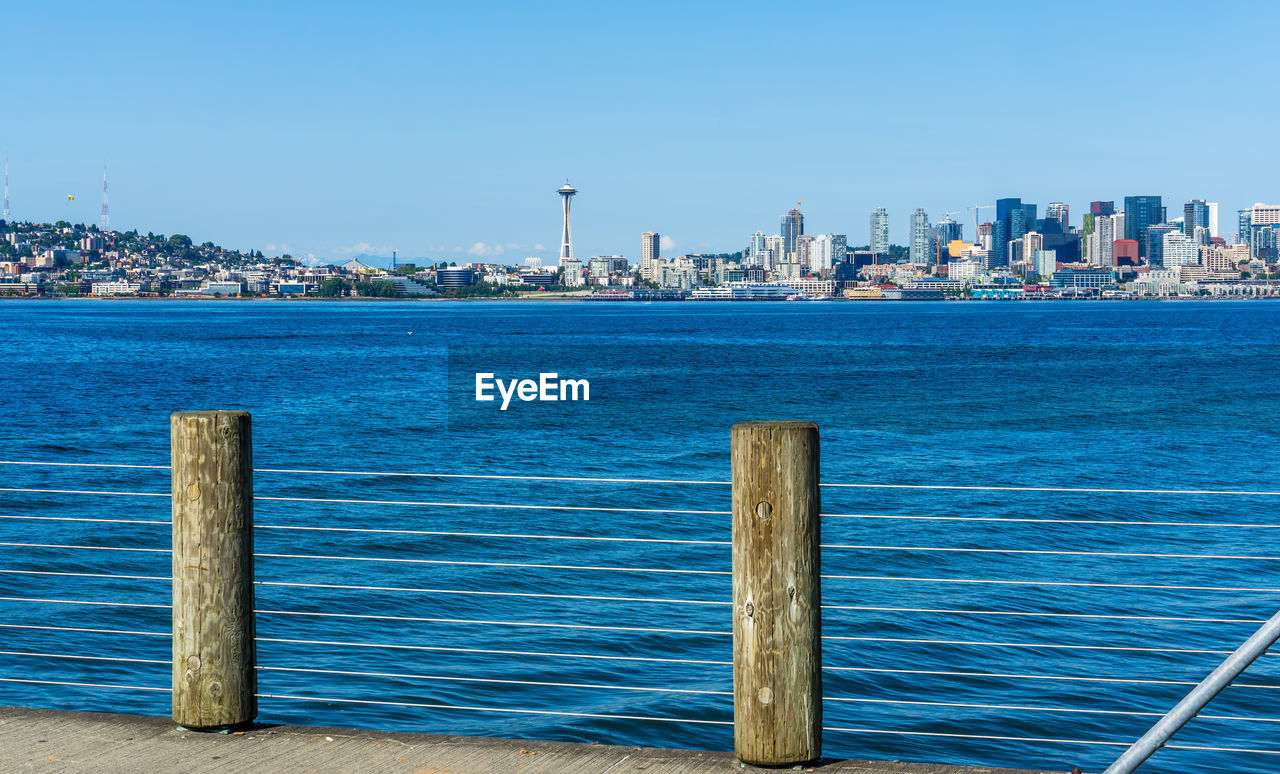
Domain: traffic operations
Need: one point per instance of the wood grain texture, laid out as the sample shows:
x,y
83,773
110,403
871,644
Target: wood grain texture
x,y
777,625
214,682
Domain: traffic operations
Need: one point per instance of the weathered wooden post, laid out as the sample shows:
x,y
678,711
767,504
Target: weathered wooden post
x,y
214,682
777,624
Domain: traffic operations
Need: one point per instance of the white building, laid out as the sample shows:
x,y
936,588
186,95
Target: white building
x,y
880,231
116,288
919,244
964,270
776,248
572,276
650,253
1046,262
1102,242
1180,250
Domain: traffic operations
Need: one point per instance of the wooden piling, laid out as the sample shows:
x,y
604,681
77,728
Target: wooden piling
x,y
777,625
214,682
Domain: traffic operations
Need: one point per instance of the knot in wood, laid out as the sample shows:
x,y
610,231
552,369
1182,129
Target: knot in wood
x,y
750,609
764,510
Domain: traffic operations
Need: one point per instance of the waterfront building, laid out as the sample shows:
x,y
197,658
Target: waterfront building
x,y
116,288
650,254
918,247
1060,212
461,277
1195,213
777,251
1046,262
599,266
1178,249
880,231
744,291
1082,278
566,192
1010,225
572,273
1125,252
1155,242
964,270
792,228
755,249
1140,213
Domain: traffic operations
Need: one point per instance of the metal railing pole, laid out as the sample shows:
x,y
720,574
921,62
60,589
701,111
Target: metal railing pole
x,y
1201,695
777,623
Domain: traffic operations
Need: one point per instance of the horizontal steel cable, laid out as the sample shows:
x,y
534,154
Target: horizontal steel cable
x,y
91,521
491,506
1045,645
459,563
588,479
480,622
425,705
518,594
1028,708
449,678
1039,552
1041,739
1032,614
1081,584
438,533
1082,522
87,548
83,602
87,575
1017,676
85,492
84,658
82,629
446,649
83,685
1083,490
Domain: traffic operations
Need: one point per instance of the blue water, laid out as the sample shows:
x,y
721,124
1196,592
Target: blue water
x,y
1134,395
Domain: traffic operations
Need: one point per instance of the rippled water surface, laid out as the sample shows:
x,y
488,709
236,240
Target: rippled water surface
x,y
1044,618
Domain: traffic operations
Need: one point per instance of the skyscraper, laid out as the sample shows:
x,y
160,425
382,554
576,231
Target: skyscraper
x,y
1010,225
839,248
920,242
880,231
1102,208
755,250
1213,218
650,252
1140,213
1194,213
1060,212
792,228
944,233
566,192
1105,226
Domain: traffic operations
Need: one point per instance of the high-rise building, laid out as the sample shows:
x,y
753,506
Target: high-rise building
x,y
650,252
819,258
1154,242
880,231
1140,213
1045,262
755,248
1245,225
1010,225
775,251
1105,232
792,228
918,247
1032,243
1194,213
566,192
945,232
984,235
804,250
839,248
1178,249
1060,212
1102,208
1213,218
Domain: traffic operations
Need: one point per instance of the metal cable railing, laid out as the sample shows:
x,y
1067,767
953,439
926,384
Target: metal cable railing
x,y
524,542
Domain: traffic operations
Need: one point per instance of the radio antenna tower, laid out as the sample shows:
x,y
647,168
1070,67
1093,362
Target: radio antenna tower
x,y
6,186
105,223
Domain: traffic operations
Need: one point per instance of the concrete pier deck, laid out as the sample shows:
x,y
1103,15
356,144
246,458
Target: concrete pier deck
x,y
66,742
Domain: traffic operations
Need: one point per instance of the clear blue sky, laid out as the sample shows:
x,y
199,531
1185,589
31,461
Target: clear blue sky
x,y
437,128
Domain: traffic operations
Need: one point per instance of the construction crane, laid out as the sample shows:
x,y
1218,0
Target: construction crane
x,y
975,209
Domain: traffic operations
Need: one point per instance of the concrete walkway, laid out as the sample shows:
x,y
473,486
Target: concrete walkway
x,y
66,742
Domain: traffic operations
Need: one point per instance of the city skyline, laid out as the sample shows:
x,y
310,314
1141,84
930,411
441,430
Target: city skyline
x,y
343,135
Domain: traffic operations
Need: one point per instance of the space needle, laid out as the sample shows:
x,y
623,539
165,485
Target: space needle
x,y
566,192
